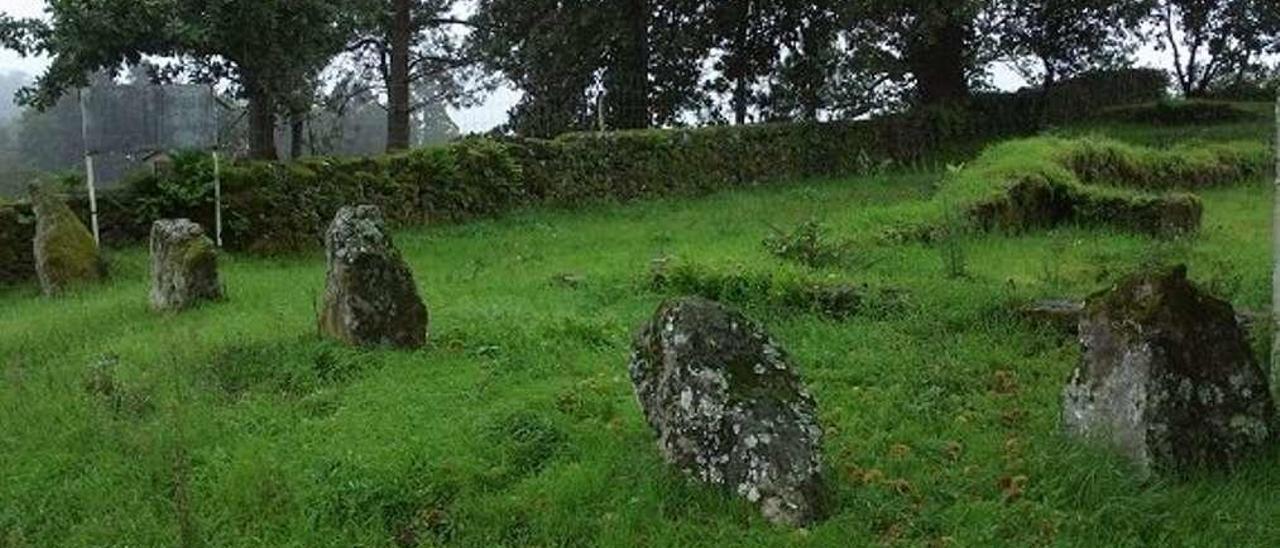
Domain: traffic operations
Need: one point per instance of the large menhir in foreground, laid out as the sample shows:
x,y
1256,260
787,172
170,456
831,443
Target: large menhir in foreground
x,y
1167,377
370,297
729,408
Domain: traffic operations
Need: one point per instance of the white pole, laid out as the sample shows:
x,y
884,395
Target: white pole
x,y
1275,258
217,198
88,169
93,198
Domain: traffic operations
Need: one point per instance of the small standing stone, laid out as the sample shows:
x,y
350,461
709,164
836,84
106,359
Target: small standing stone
x,y
370,296
1167,377
184,266
729,408
64,250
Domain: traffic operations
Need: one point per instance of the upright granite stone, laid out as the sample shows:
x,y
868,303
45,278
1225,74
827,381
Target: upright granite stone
x,y
184,266
65,253
1167,377
729,408
370,297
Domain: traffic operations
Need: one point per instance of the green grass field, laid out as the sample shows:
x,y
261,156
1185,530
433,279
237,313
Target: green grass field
x,y
236,425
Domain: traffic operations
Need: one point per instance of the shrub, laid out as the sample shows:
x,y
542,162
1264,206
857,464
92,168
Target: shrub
x,y
1177,113
809,244
1259,88
835,300
1069,100
1093,91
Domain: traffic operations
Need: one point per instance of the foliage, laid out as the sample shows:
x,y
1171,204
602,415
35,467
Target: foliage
x,y
937,43
1178,113
1216,41
269,49
809,244
1067,37
582,65
435,67
744,287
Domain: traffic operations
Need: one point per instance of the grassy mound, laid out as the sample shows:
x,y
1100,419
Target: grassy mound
x,y
1047,181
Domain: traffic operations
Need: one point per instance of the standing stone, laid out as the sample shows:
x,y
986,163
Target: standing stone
x,y
729,408
184,266
1167,377
370,297
65,253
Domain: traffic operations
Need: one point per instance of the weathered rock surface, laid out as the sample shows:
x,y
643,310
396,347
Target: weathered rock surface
x,y
370,297
1167,377
184,266
64,250
729,408
1064,314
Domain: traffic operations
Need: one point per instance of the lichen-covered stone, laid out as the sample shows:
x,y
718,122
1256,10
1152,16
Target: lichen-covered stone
x,y
65,253
729,408
370,297
184,266
1167,377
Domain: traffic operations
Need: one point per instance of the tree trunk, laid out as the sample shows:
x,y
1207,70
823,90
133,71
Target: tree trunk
x,y
398,109
938,63
740,65
631,98
741,96
262,123
297,130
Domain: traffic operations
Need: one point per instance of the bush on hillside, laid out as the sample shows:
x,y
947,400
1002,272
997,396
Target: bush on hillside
x,y
736,285
1072,99
1177,113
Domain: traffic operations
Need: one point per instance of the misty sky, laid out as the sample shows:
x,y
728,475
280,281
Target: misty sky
x,y
493,111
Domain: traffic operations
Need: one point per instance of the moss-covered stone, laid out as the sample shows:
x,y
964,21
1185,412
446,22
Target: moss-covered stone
x,y
184,266
1167,377
370,296
64,250
729,408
